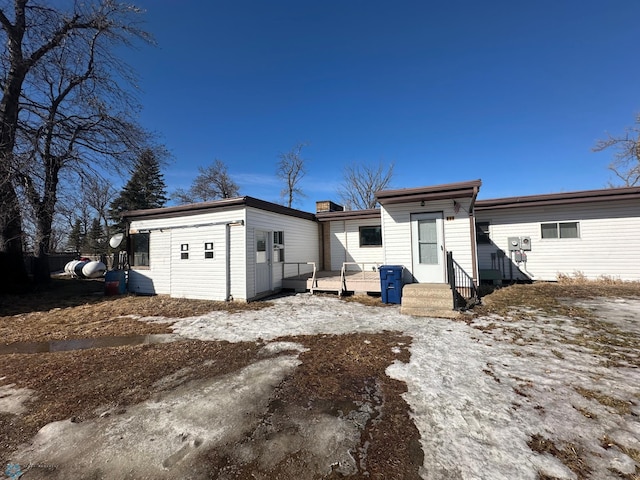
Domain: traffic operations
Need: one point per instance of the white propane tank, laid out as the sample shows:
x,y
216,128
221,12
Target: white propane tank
x,y
70,267
94,269
77,269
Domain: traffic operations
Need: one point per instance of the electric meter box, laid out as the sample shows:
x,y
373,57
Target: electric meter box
x,y
514,243
525,243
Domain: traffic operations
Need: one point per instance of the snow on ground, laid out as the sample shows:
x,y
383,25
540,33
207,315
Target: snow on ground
x,y
480,392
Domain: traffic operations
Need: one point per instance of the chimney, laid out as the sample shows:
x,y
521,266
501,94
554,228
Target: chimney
x,y
328,206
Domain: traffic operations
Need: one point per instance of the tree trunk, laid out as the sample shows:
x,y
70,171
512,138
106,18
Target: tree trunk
x,y
13,273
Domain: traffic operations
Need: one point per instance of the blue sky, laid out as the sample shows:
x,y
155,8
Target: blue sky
x,y
515,93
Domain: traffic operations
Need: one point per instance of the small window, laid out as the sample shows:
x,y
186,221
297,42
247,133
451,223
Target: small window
x,y
482,232
208,250
278,246
371,236
560,230
184,251
140,249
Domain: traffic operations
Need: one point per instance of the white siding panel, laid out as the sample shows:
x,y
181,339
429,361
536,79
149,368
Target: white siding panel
x,y
155,279
301,244
396,232
345,244
609,243
196,277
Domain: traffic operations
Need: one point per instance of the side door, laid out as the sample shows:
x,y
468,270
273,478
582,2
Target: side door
x,y
427,247
263,261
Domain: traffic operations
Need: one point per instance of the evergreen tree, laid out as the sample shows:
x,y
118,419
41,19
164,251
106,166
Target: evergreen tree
x,y
96,241
76,237
145,188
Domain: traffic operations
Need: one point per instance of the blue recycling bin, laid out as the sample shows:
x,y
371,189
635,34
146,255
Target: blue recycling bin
x,y
391,283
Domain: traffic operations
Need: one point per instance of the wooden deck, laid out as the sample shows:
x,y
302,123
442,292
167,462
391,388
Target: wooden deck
x,y
331,281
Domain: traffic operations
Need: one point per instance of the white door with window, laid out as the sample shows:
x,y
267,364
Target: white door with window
x,y
263,261
427,248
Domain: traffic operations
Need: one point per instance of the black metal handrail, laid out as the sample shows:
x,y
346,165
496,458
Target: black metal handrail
x,y
463,288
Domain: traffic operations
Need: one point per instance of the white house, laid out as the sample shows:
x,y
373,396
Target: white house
x,y
245,248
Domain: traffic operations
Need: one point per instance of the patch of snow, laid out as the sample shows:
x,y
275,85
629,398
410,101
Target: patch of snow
x,y
12,399
477,392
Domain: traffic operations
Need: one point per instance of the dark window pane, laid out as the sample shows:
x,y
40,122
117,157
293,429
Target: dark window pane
x,y
370,236
549,230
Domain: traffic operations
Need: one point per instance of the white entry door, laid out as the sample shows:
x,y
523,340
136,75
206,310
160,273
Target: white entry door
x,y
427,248
263,261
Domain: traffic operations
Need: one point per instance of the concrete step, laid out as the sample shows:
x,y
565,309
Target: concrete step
x,y
428,290
429,312
442,302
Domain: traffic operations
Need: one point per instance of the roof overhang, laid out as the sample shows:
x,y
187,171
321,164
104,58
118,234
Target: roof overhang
x,y
565,198
349,215
424,194
216,205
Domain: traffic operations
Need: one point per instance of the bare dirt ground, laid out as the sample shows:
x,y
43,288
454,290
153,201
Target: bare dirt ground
x,y
540,382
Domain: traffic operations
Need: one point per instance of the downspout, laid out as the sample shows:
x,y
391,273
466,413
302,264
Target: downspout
x,y
472,230
227,240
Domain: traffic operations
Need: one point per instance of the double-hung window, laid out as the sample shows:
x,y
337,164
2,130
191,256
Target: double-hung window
x,y
560,230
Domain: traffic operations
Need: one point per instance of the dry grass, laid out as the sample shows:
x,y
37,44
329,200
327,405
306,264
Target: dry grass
x,y
569,454
525,300
621,407
73,308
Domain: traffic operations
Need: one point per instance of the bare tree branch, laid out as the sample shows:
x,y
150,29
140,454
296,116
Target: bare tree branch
x,y
212,183
291,169
626,159
361,182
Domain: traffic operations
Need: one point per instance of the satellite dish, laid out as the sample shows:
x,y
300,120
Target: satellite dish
x,y
116,240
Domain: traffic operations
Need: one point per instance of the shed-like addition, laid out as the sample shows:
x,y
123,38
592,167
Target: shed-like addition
x,y
232,249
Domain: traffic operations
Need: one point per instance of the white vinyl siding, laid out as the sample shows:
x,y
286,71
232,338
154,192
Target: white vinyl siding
x,y
345,244
197,276
301,244
608,243
154,279
396,232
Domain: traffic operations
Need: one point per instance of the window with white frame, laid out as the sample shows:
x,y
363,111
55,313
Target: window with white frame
x,y
278,246
184,251
560,230
140,249
482,232
208,250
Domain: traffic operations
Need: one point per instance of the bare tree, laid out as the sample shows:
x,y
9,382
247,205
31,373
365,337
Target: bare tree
x,y
291,169
626,159
361,182
32,32
212,183
75,113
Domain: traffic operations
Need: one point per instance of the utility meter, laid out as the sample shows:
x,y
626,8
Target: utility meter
x,y
525,243
514,243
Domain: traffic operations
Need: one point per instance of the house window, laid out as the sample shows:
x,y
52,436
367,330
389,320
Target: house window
x,y
140,249
560,230
208,250
278,246
482,232
184,251
371,236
